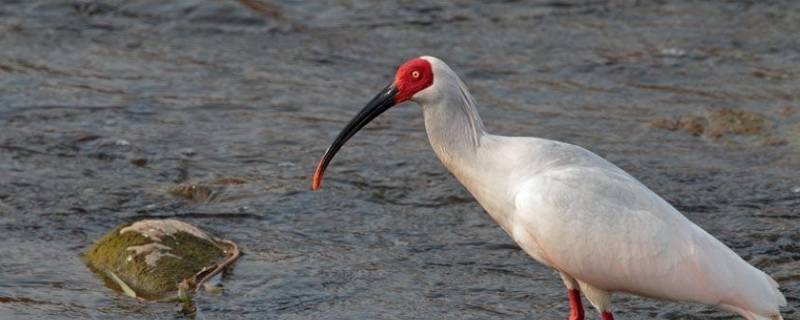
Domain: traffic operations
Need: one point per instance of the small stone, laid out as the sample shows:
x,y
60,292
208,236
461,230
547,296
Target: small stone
x,y
665,123
692,125
194,192
216,190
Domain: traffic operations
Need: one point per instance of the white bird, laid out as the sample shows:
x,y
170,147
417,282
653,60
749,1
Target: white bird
x,y
570,209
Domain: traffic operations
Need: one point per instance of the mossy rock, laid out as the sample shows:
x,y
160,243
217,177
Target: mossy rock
x,y
151,257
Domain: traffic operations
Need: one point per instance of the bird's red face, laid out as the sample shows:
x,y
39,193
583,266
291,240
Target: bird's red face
x,y
413,76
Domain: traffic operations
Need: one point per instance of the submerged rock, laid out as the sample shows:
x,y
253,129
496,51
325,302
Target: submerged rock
x,y
149,258
720,123
217,190
726,120
691,124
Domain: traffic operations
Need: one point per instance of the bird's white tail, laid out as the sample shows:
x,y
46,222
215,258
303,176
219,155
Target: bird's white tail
x,y
744,289
768,298
748,314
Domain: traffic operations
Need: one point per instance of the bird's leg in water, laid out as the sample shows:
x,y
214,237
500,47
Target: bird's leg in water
x,y
575,306
607,315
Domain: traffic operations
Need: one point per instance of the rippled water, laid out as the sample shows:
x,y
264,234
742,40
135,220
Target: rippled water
x,y
106,105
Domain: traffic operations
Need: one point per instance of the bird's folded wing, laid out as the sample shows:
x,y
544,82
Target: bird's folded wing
x,y
603,227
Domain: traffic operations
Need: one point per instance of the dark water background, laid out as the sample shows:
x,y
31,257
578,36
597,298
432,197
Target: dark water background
x,y
104,105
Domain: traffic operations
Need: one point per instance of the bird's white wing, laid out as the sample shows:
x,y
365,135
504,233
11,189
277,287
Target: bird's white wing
x,y
601,226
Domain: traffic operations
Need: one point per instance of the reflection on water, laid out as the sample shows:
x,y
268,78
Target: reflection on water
x,y
107,105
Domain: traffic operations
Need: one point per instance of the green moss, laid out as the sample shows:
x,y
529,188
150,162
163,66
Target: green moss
x,y
110,254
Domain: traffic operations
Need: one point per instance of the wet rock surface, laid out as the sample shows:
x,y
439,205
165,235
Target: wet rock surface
x,y
104,105
149,258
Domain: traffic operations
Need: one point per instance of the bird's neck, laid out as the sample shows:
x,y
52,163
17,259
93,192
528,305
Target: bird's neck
x,y
456,134
453,125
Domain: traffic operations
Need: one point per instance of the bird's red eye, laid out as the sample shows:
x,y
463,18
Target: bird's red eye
x,y
415,74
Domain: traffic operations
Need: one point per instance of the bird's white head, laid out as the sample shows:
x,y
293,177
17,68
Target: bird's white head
x,y
415,80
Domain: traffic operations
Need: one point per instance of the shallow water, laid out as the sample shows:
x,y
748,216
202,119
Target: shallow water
x,y
106,105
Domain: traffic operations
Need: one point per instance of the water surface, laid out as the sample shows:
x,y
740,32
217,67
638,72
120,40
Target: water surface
x,y
105,105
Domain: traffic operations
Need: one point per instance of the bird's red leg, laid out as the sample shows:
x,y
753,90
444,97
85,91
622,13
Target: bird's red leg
x,y
575,306
607,315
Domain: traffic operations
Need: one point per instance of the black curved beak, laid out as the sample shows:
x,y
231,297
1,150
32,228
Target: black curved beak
x,y
382,102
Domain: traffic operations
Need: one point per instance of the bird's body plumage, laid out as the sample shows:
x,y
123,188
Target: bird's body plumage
x,y
585,217
581,215
572,210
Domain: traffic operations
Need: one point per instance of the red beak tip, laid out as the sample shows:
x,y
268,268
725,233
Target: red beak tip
x,y
316,181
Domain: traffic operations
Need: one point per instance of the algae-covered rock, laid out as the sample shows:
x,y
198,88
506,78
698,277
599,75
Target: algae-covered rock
x,y
149,258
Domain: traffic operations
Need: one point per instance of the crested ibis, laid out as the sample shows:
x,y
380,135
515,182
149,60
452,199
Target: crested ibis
x,y
600,228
